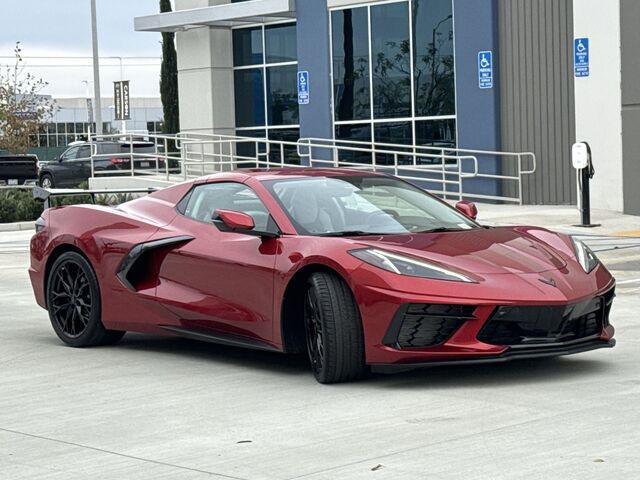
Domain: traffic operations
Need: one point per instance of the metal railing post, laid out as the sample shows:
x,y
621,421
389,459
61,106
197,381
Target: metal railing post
x,y
520,178
133,173
444,173
185,157
155,149
93,169
257,154
202,156
166,157
459,180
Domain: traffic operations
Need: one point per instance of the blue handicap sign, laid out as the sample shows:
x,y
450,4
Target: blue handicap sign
x,y
581,57
485,69
303,87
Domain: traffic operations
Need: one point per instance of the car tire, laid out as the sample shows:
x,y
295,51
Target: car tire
x,y
73,302
333,330
46,181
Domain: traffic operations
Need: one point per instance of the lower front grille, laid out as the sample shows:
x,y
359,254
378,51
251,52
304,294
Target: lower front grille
x,y
542,325
426,325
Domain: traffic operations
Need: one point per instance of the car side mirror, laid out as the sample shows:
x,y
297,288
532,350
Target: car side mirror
x,y
234,221
59,159
468,209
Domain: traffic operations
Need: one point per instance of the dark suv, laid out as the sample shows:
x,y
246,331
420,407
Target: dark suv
x,y
74,165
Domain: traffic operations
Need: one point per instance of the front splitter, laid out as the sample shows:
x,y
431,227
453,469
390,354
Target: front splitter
x,y
509,355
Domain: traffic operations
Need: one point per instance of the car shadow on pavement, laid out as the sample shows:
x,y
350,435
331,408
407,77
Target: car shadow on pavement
x,y
243,357
458,376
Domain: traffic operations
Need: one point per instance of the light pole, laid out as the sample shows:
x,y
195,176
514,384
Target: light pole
x,y
96,70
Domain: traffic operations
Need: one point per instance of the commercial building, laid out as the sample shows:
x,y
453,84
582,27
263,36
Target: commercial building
x,y
495,75
71,122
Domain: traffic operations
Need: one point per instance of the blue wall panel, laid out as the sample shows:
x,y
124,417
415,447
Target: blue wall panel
x,y
478,110
314,56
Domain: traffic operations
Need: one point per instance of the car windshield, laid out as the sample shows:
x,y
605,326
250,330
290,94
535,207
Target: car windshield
x,y
362,205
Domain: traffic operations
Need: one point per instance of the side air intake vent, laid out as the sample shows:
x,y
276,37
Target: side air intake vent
x,y
426,325
140,267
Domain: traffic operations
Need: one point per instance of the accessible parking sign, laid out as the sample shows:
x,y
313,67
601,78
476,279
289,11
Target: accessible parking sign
x,y
581,57
303,87
485,69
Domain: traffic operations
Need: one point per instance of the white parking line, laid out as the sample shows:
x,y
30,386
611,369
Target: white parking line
x,y
625,282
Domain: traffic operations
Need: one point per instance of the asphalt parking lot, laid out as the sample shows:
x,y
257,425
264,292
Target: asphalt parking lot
x,y
160,408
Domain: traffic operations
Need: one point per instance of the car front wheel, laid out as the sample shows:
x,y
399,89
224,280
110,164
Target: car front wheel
x,y
333,328
46,181
73,301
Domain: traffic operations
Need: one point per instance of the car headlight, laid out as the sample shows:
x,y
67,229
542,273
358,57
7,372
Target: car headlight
x,y
586,258
402,265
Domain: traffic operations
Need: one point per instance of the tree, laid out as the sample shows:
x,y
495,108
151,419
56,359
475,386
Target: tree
x,y
23,108
169,78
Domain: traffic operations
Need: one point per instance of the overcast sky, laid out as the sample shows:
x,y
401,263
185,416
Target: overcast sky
x,y
62,28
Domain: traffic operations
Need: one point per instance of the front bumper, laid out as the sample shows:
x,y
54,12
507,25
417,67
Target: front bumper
x,y
388,347
510,354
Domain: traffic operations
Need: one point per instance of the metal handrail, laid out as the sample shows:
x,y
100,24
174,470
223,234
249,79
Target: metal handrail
x,y
45,194
519,156
201,153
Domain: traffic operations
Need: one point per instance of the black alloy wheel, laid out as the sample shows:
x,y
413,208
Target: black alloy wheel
x,y
71,299
313,325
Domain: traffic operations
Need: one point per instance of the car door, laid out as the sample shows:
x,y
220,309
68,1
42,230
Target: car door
x,y
222,281
64,171
83,164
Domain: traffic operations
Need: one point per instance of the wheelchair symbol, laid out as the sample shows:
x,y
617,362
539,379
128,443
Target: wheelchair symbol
x,y
580,48
484,63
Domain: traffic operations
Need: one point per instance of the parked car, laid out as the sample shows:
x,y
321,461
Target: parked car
x,y
74,165
359,269
18,169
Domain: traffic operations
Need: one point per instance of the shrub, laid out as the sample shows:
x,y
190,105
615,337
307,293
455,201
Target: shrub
x,y
18,205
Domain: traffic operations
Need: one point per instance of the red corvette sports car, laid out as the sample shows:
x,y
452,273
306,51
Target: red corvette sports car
x,y
358,269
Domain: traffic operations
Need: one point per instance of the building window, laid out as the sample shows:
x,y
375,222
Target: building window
x,y
266,105
62,134
155,127
393,73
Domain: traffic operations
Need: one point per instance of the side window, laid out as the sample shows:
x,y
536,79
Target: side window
x,y
84,152
70,154
206,199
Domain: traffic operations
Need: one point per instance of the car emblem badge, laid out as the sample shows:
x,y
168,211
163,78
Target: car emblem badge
x,y
548,281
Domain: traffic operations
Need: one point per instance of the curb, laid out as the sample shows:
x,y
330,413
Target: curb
x,y
17,226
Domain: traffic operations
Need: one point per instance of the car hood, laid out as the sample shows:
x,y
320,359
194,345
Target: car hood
x,y
481,251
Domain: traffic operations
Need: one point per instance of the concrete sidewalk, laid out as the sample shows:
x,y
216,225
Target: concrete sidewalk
x,y
561,218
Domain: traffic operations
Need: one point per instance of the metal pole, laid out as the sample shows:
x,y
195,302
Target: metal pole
x,y
97,115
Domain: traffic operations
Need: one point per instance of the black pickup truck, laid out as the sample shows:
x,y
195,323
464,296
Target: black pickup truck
x,y
18,169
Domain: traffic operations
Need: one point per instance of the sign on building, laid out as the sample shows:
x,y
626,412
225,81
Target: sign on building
x,y
303,88
121,100
485,69
581,57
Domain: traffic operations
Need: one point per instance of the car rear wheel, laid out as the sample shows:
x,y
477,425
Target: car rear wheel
x,y
333,330
46,181
73,301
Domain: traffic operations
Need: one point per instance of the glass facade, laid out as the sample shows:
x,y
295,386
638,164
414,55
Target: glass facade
x,y
393,73
266,101
392,68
